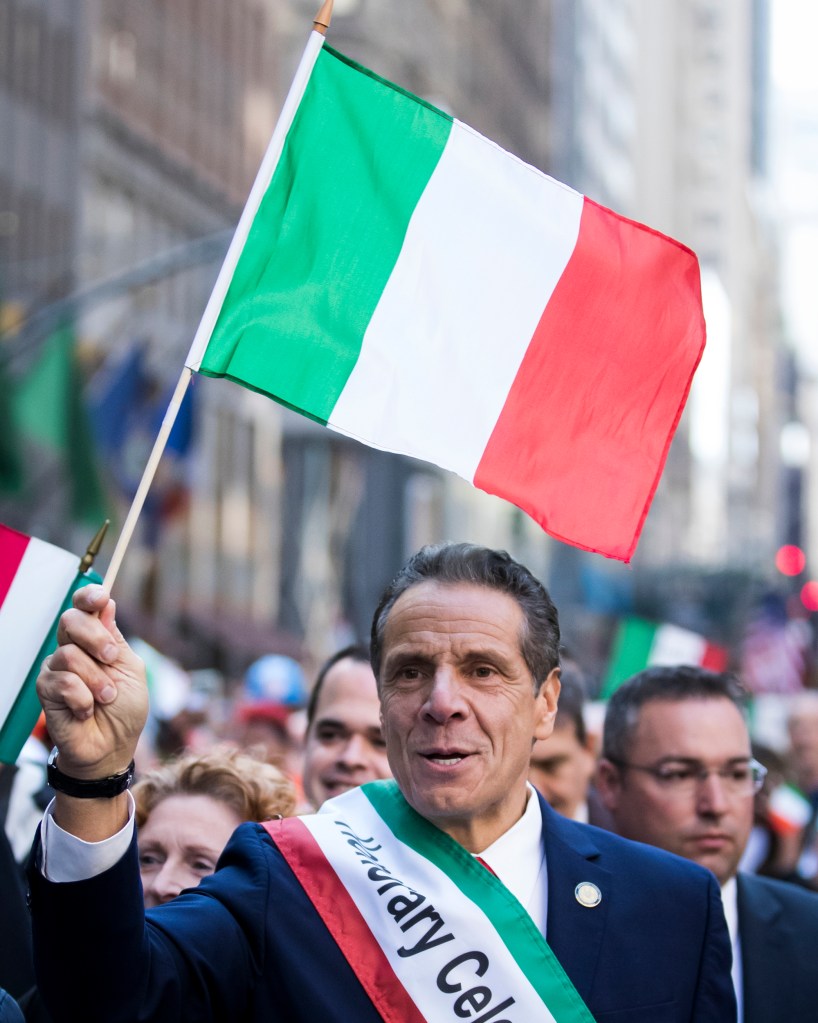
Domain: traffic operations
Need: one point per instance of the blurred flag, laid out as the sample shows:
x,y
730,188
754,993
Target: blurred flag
x,y
37,581
639,644
788,810
11,463
775,651
404,281
126,405
116,396
50,415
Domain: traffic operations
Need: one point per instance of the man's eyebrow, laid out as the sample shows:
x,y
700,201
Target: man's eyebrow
x,y
696,762
402,657
555,759
329,723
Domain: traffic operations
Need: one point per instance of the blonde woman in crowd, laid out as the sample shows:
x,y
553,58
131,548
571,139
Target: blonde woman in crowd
x,y
187,809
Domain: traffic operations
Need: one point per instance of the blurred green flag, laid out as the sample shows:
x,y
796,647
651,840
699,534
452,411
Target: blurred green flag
x,y
49,413
11,462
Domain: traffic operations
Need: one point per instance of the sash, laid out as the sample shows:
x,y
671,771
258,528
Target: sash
x,y
431,934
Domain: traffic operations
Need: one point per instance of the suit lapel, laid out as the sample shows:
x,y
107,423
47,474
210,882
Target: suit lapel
x,y
760,932
574,931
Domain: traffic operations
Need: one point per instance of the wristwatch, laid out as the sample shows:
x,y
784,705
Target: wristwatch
x,y
96,788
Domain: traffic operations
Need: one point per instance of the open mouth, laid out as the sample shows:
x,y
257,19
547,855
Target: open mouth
x,y
445,759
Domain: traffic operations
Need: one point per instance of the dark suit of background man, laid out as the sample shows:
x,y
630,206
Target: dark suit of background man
x,y
465,650
676,772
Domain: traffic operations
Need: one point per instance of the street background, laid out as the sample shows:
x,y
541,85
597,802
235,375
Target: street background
x,y
129,137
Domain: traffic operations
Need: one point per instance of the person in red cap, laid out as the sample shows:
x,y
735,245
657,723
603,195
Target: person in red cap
x,y
273,691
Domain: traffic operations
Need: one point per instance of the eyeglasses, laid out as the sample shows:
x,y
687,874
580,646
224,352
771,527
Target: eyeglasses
x,y
683,777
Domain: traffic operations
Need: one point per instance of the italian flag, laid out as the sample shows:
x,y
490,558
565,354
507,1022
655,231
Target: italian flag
x,y
788,810
36,582
405,281
640,644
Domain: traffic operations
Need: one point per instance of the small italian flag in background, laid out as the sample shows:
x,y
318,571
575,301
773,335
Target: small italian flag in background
x,y
788,810
639,644
37,581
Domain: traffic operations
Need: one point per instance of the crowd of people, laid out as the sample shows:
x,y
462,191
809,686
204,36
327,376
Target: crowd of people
x,y
380,906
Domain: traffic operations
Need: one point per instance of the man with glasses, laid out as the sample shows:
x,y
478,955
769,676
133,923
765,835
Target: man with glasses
x,y
676,772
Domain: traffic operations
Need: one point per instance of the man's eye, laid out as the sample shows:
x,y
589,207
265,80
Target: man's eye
x,y
741,772
328,734
676,774
484,671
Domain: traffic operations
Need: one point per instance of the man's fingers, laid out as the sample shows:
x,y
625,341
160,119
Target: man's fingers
x,y
91,598
69,663
63,691
108,619
88,632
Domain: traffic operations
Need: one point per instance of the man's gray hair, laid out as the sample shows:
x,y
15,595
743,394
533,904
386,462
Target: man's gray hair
x,y
668,683
454,563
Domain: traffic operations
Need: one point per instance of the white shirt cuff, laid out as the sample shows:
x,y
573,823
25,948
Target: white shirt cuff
x,y
68,858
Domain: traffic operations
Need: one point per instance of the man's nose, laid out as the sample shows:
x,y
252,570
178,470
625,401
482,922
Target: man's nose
x,y
445,698
712,797
353,754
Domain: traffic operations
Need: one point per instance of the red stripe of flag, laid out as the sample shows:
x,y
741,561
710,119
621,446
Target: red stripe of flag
x,y
603,383
714,657
343,920
12,548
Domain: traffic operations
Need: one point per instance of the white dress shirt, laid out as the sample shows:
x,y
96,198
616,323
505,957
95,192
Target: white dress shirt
x,y
518,860
729,899
68,858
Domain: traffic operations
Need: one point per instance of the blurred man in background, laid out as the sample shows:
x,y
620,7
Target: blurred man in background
x,y
800,812
563,765
344,745
677,772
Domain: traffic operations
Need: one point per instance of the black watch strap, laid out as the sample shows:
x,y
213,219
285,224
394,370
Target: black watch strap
x,y
79,788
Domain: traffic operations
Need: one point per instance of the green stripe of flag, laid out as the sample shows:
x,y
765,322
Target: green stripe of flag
x,y
510,920
26,708
631,650
325,239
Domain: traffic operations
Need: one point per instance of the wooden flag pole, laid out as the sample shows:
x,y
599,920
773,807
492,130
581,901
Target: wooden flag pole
x,y
147,478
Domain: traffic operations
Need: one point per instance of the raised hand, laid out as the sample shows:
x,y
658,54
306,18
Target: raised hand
x,y
93,690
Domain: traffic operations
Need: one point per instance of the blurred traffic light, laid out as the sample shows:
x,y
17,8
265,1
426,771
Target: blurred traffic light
x,y
790,560
809,595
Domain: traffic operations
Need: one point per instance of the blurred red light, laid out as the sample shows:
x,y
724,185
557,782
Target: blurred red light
x,y
790,560
809,595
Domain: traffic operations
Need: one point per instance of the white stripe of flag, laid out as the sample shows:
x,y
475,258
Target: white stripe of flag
x,y
33,591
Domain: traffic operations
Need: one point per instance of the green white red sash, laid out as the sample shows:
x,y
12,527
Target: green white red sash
x,y
430,933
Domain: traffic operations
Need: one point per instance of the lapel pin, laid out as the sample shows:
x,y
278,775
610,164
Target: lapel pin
x,y
587,894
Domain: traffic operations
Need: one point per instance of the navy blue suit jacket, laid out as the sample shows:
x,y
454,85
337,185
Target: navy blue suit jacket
x,y
778,930
247,946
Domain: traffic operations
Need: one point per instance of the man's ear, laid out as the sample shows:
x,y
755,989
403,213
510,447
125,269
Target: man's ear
x,y
608,784
547,699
